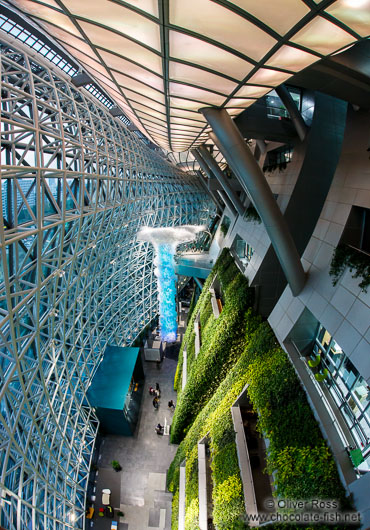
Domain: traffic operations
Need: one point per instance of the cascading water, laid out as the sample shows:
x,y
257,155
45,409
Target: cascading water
x,y
165,242
165,272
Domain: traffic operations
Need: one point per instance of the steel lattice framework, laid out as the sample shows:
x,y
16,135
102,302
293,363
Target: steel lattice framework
x,y
76,185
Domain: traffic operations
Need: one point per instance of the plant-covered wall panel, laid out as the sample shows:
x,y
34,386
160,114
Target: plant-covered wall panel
x,y
298,457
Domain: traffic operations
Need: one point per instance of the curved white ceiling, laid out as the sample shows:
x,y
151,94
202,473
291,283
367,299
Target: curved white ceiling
x,y
163,60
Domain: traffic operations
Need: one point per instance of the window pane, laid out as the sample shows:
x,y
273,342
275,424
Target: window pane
x,y
361,393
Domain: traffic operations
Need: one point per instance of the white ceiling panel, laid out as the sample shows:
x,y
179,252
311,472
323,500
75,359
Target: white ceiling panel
x,y
224,54
117,17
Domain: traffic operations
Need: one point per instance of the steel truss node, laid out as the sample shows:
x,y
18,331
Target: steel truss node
x,y
76,185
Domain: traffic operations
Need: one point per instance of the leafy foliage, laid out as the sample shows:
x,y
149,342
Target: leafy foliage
x,y
221,346
251,214
308,471
228,502
193,302
175,510
301,463
346,256
225,225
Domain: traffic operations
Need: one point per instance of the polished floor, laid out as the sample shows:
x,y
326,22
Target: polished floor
x,y
139,490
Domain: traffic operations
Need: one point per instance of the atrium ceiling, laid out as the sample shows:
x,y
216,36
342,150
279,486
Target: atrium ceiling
x,y
163,60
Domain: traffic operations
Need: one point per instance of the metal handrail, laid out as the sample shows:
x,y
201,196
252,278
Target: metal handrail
x,y
318,388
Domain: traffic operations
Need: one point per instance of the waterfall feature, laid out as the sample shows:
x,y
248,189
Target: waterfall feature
x,y
165,242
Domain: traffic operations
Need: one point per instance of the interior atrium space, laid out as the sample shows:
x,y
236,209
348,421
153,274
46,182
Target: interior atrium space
x,y
185,264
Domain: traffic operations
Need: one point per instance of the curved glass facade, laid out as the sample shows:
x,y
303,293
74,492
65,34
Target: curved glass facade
x,y
76,185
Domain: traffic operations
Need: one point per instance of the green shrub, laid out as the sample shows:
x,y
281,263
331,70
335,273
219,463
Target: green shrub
x,y
303,465
191,470
193,303
190,350
206,312
224,461
239,349
228,502
192,515
175,511
220,350
262,341
221,343
191,318
227,271
306,472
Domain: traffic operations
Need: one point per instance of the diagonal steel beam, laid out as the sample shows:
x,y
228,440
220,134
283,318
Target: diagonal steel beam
x,y
204,158
227,137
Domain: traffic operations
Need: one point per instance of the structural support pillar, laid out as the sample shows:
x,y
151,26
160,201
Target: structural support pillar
x,y
227,202
208,172
210,167
238,155
293,110
210,192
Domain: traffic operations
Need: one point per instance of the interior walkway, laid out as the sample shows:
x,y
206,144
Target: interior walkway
x,y
139,490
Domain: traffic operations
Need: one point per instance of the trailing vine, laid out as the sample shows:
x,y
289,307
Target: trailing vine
x,y
353,258
251,214
225,225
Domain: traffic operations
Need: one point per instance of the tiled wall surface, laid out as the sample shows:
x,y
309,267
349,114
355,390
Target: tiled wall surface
x,y
282,184
343,310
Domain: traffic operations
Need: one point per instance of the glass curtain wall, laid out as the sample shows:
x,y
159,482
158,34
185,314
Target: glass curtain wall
x,y
76,185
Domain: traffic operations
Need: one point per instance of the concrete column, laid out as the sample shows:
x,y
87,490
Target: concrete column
x,y
210,192
202,154
208,172
293,110
232,145
227,202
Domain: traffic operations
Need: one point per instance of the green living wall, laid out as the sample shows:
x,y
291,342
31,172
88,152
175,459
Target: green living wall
x,y
299,458
222,341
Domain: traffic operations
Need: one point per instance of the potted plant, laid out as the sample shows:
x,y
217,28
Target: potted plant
x,y
116,465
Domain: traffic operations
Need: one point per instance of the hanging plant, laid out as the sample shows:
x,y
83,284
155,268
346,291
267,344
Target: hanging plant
x,y
225,225
356,260
251,214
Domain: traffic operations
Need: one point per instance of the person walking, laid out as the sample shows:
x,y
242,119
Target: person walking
x,y
159,429
155,403
171,404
